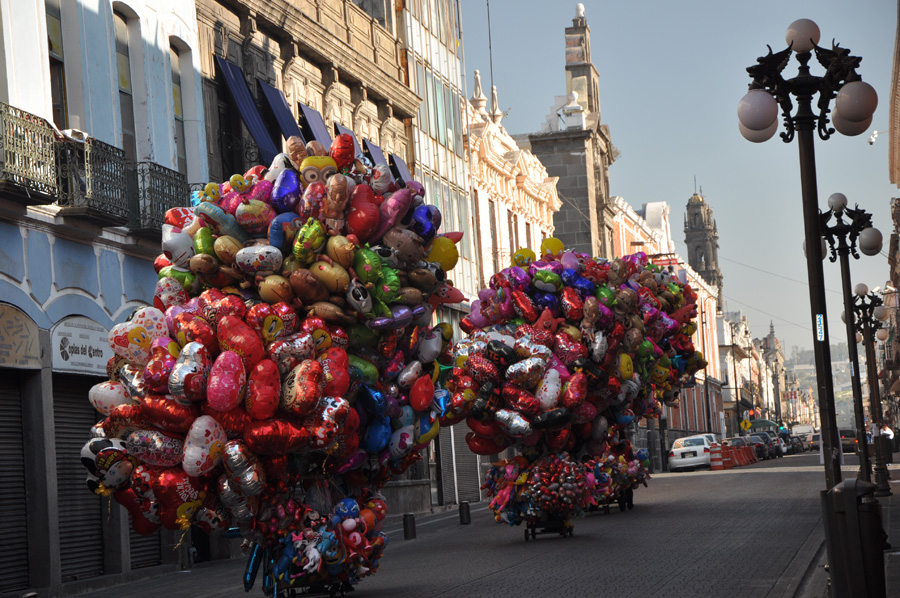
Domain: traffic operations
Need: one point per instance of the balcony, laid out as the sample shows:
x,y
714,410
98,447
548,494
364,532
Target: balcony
x,y
92,181
152,190
87,178
28,167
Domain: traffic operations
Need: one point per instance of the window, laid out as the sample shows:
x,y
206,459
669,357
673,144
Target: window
x,y
423,107
432,105
492,218
126,101
528,240
178,111
511,221
57,65
441,112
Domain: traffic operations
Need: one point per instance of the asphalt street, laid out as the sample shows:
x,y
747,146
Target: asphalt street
x,y
753,531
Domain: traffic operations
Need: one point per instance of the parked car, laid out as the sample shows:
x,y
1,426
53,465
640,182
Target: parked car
x,y
848,440
781,446
761,444
797,445
775,444
735,442
689,453
815,441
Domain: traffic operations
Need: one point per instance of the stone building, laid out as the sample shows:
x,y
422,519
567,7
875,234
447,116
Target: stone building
x,y
100,129
702,239
514,197
575,146
275,68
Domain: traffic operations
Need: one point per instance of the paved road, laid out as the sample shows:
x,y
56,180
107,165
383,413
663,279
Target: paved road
x,y
749,532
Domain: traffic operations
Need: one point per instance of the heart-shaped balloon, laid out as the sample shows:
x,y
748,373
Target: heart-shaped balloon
x,y
226,382
179,496
169,292
203,446
187,381
263,390
107,395
132,339
168,414
235,335
154,448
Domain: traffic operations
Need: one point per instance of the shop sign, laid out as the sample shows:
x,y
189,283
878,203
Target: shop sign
x,y
80,345
19,344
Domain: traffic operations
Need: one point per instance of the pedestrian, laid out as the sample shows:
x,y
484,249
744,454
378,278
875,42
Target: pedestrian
x,y
886,431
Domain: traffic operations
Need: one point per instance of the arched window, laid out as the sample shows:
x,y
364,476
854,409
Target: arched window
x,y
126,91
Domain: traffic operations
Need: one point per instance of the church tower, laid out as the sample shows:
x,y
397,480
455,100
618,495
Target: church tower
x,y
702,240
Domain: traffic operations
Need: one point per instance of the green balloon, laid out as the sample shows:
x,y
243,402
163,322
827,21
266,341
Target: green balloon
x,y
361,335
203,241
388,286
605,295
187,278
367,265
368,370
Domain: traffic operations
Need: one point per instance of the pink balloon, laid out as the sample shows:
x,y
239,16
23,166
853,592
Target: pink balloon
x,y
392,210
226,382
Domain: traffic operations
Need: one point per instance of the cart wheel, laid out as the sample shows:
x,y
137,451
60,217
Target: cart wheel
x,y
526,534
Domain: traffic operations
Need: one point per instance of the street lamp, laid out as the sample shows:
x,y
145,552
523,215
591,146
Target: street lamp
x,y
870,313
843,238
758,115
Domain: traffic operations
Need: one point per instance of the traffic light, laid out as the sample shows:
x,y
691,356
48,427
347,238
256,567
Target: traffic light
x,y
751,413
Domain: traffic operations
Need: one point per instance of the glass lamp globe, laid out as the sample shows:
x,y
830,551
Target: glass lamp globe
x,y
844,317
880,313
824,249
859,338
837,202
848,127
758,136
758,110
856,101
861,289
803,34
881,334
870,241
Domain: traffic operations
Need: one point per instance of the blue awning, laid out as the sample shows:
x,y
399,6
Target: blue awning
x,y
313,126
237,86
281,110
400,170
342,130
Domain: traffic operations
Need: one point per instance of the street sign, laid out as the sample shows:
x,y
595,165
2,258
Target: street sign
x,y
668,261
745,425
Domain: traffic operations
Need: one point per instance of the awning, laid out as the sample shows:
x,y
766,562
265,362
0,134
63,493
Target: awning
x,y
763,423
342,130
375,153
400,170
281,110
313,126
240,93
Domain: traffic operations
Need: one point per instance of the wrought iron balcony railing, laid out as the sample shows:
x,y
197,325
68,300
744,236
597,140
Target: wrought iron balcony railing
x,y
27,155
92,181
153,189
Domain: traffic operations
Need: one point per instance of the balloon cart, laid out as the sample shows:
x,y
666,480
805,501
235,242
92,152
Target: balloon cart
x,y
548,524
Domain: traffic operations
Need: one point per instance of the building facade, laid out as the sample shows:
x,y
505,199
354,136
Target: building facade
x,y
100,126
575,146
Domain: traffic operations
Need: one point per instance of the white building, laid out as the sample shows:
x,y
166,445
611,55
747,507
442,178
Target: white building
x,y
80,218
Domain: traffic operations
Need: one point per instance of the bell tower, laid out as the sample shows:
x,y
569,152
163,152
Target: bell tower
x,y
702,240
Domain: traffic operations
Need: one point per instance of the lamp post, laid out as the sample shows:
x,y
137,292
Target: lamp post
x,y
734,387
855,102
870,313
843,237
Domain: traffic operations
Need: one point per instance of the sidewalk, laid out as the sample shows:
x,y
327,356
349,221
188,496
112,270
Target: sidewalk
x,y
815,582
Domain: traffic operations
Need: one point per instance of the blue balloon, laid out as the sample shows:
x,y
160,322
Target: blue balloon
x,y
286,192
279,226
441,401
422,223
372,400
582,286
544,299
256,557
378,434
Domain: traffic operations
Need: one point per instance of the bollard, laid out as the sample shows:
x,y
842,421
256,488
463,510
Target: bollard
x,y
727,457
465,514
409,526
715,457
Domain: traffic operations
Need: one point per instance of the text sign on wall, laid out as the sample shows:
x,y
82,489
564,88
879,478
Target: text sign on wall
x,y
19,344
80,345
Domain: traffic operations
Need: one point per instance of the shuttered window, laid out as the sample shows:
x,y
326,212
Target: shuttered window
x,y
81,513
14,564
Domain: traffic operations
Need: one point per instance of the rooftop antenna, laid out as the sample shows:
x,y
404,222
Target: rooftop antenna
x,y
695,184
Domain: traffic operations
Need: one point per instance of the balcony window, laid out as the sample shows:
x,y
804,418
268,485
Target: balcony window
x,y
57,65
178,111
126,100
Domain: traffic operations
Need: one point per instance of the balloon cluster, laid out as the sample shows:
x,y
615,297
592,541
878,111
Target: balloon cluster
x,y
287,368
609,475
564,352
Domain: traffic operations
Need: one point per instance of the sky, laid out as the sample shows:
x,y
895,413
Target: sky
x,y
671,76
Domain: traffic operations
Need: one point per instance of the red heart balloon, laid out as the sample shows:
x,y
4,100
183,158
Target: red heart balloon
x,y
179,496
234,420
302,388
191,328
421,393
276,437
263,390
235,335
144,512
336,368
168,414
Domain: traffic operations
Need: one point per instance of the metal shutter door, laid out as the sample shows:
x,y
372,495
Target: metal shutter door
x,y
80,512
468,476
14,564
146,551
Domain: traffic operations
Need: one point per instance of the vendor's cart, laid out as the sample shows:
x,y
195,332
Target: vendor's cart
x,y
549,524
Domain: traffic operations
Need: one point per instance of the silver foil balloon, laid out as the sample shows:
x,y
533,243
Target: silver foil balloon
x,y
513,423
